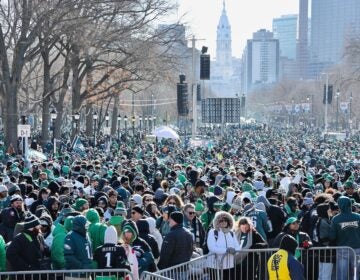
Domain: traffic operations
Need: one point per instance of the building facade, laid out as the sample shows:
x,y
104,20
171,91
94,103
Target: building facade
x,y
260,61
333,22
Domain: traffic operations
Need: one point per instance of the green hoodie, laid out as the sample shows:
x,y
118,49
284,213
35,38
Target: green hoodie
x,y
57,247
345,226
96,229
2,254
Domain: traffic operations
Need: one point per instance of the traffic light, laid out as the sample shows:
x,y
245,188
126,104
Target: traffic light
x,y
330,94
204,67
198,92
182,99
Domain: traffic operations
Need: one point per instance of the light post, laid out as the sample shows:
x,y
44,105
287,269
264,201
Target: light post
x,y
107,118
53,116
350,115
337,109
95,117
140,121
125,120
76,119
154,118
133,125
150,123
118,125
146,123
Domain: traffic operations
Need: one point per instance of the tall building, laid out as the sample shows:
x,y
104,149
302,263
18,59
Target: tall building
x,y
285,30
260,61
332,23
303,43
224,81
223,48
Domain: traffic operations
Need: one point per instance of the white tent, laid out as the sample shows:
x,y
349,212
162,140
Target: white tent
x,y
165,132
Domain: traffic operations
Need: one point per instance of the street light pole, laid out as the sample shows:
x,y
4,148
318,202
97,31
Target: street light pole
x,y
337,109
53,115
76,118
133,125
125,120
350,113
118,126
95,117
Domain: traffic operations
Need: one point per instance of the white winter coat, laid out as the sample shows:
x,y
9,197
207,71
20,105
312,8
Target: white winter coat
x,y
219,245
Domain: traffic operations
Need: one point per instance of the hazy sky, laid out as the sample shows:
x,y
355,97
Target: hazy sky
x,y
245,17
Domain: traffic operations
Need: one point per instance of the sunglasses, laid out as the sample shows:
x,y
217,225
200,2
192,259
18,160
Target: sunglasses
x,y
223,221
133,213
191,213
148,200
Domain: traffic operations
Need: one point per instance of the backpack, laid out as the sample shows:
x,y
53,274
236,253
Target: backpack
x,y
205,247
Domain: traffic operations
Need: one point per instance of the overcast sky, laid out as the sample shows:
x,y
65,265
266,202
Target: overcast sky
x,y
245,16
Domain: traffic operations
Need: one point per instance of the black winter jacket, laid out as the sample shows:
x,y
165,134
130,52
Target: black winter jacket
x,y
177,247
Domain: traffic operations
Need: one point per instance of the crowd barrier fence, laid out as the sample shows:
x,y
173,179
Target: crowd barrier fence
x,y
320,263
91,274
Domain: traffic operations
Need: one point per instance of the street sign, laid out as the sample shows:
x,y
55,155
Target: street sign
x,y
23,130
107,130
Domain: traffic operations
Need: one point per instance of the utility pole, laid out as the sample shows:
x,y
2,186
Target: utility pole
x,y
193,88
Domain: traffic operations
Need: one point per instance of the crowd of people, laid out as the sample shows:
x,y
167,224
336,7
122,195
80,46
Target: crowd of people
x,y
151,206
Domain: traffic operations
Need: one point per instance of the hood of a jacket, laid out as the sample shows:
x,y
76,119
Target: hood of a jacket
x,y
288,243
79,225
110,235
129,225
344,204
152,224
93,216
264,200
68,223
220,216
59,229
143,226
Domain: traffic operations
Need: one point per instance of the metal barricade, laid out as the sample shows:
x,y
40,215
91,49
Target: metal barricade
x,y
91,274
195,269
319,263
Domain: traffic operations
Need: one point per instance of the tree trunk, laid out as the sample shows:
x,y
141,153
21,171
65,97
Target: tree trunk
x,y
46,101
114,122
11,118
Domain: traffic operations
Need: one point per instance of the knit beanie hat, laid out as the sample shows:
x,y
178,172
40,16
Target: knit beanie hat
x,y
138,209
218,190
110,235
178,217
79,203
129,226
30,221
120,209
199,205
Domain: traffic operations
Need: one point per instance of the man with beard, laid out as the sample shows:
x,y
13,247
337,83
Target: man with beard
x,y
28,247
11,216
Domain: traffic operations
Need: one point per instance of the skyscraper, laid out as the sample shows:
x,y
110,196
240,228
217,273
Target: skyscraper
x,y
285,30
303,44
260,61
332,23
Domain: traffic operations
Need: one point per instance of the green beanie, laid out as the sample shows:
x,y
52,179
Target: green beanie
x,y
79,203
199,205
44,184
246,187
68,223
